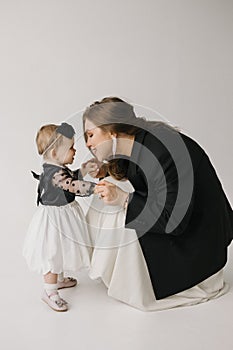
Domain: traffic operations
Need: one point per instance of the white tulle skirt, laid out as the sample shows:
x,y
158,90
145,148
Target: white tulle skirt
x,y
57,240
117,259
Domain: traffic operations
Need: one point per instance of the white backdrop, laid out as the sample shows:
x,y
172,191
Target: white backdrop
x,y
59,56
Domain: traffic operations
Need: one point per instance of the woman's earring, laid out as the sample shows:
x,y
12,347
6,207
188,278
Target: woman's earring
x,y
114,145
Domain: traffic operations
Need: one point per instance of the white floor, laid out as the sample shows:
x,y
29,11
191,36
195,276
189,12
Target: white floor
x,y
96,321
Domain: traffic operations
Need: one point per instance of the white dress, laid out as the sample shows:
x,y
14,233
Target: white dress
x,y
57,239
118,261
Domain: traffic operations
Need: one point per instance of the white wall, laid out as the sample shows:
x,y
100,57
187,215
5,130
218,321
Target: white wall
x,y
57,56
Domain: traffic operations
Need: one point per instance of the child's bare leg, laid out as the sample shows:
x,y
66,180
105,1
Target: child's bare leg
x,y
50,278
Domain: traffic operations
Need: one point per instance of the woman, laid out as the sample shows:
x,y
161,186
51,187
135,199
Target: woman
x,y
178,213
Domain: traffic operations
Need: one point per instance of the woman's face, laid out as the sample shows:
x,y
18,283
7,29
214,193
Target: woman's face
x,y
98,141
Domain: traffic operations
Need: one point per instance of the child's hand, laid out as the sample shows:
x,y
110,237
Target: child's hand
x,y
91,167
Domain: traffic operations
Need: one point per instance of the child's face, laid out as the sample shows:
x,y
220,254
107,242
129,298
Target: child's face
x,y
65,153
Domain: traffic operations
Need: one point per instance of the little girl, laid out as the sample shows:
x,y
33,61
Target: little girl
x,y
57,237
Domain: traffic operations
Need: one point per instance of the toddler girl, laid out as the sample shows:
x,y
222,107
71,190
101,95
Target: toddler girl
x,y
57,237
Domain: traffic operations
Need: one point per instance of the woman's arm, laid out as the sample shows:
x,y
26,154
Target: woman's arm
x,y
161,205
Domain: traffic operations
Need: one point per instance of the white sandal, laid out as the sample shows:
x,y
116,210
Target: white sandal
x,y
68,282
54,301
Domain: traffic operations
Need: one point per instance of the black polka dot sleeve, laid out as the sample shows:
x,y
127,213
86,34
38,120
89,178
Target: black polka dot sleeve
x,y
65,181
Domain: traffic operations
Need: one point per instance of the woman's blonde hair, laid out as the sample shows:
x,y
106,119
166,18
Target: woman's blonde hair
x,y
47,137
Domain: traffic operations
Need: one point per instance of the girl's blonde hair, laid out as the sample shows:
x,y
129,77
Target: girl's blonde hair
x,y
47,137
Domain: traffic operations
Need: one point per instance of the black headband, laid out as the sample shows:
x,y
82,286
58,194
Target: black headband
x,y
66,130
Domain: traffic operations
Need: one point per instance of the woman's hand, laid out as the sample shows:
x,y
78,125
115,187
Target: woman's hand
x,y
111,194
94,168
90,167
